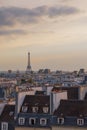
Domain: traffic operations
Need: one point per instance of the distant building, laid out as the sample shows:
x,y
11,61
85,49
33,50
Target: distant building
x,y
2,93
47,71
81,71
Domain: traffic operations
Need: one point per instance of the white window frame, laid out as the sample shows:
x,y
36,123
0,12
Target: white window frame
x,y
80,122
11,113
32,119
45,109
4,126
24,108
35,109
21,121
62,120
45,121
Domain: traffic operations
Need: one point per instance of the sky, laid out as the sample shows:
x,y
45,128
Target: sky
x,y
53,31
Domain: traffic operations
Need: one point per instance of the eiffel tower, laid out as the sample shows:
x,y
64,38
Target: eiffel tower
x,y
28,66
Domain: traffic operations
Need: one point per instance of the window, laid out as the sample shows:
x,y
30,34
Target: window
x,y
45,109
61,120
43,121
32,121
35,109
21,121
11,113
4,126
80,122
24,109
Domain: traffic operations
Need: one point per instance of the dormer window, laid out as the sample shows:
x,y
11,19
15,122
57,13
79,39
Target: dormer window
x,y
45,109
4,126
80,122
21,121
24,108
43,121
11,113
60,120
35,109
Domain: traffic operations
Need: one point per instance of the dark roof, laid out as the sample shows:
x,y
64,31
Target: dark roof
x,y
8,113
72,108
36,101
64,88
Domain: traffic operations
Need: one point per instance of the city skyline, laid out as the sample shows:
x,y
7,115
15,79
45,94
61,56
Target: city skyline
x,y
53,31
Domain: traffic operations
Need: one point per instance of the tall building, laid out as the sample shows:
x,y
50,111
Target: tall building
x,y
28,66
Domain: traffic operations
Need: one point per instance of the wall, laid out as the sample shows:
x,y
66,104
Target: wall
x,y
2,107
57,96
53,128
28,128
49,88
68,128
37,89
82,92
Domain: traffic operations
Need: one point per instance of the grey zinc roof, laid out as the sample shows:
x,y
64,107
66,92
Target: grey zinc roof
x,y
8,113
72,108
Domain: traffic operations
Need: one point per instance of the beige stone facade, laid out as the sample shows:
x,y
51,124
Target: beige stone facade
x,y
53,128
25,128
68,128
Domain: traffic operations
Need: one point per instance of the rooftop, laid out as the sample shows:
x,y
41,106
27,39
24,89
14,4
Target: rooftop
x,y
74,108
8,113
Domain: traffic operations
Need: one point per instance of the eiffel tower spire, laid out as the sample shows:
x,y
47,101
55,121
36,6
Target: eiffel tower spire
x,y
28,66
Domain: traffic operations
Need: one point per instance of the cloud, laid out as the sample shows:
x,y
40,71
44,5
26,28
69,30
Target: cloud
x,y
12,32
62,11
13,15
